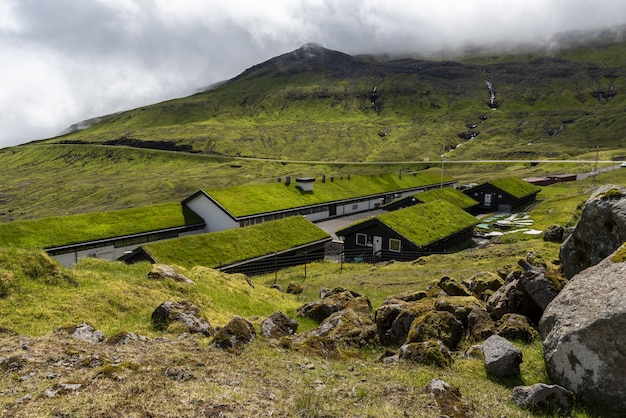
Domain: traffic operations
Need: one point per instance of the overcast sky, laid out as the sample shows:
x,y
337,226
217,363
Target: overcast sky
x,y
63,61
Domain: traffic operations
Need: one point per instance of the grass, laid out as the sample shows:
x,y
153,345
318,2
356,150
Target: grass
x,y
262,198
516,187
63,230
221,248
449,194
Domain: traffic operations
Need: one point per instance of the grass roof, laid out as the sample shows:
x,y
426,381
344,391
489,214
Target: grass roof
x,y
65,230
516,187
232,245
429,222
449,194
262,198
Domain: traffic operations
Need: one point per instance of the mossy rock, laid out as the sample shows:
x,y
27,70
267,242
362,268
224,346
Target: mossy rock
x,y
323,347
234,335
432,353
436,325
516,327
459,306
295,288
620,255
482,282
401,325
452,287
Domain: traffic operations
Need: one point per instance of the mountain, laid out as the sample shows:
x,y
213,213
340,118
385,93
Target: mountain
x,y
318,104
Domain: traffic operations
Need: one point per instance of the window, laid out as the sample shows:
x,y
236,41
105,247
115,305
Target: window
x,y
395,245
361,239
355,207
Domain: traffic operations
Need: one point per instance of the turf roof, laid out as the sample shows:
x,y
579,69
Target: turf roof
x,y
263,198
450,194
425,223
73,229
232,245
516,187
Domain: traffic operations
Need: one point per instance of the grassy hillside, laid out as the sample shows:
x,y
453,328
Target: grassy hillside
x,y
318,104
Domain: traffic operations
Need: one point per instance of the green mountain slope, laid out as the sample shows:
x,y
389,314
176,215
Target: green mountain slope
x,y
318,104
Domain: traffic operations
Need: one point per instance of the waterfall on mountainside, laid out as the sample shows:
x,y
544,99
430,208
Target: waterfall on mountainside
x,y
492,95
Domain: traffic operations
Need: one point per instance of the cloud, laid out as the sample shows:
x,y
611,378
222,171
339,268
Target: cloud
x,y
65,61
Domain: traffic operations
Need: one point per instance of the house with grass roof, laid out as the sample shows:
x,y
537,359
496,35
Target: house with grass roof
x,y
450,194
504,194
408,233
251,250
314,198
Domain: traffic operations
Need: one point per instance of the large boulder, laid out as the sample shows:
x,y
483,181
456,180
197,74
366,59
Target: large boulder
x,y
432,352
184,313
600,230
584,333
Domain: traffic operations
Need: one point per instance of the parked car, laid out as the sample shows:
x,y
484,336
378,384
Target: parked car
x,y
623,165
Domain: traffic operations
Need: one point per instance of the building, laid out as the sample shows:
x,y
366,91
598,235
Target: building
x,y
251,250
503,195
450,194
408,233
241,206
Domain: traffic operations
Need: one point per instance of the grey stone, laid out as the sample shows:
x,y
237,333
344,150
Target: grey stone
x,y
551,399
599,232
513,298
234,335
584,335
165,272
184,312
502,358
84,332
278,325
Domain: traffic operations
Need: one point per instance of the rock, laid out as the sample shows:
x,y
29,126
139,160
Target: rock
x,y
452,287
584,334
123,337
410,296
436,325
384,317
347,327
541,286
394,321
549,399
432,352
278,325
459,306
61,389
554,233
449,399
83,332
184,313
234,335
319,346
294,288
483,281
164,272
513,298
480,325
501,357
600,231
474,351
277,287
321,309
324,292
516,327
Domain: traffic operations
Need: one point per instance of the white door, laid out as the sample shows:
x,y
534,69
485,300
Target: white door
x,y
378,245
487,199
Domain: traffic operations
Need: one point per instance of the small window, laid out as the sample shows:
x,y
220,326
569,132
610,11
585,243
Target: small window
x,y
361,239
395,245
355,207
499,196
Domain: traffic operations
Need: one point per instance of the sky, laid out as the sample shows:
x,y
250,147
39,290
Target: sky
x,y
64,61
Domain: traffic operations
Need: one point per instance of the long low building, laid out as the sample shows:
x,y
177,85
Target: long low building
x,y
316,199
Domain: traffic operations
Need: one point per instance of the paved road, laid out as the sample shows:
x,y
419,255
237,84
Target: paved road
x,y
332,225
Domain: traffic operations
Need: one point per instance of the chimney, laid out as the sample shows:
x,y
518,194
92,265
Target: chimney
x,y
287,180
305,184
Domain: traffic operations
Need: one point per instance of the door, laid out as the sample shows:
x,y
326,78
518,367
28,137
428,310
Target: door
x,y
487,199
378,245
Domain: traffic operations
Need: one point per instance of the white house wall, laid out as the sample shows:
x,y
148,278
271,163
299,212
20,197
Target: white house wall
x,y
214,216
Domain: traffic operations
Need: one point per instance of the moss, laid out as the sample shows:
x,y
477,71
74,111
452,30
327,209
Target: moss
x,y
620,255
612,193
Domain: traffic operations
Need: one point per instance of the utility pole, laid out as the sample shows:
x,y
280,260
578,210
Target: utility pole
x,y
443,157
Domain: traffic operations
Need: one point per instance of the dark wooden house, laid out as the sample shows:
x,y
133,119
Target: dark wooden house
x,y
408,233
503,195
